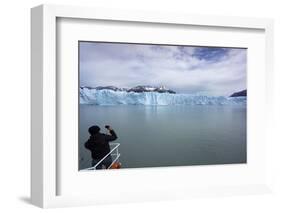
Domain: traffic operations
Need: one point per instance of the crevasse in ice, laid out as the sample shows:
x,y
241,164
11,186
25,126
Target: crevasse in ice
x,y
110,97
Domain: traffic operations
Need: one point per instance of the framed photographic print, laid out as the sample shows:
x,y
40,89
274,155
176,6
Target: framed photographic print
x,y
170,105
130,106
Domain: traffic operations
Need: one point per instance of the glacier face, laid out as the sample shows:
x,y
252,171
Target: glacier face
x,y
110,97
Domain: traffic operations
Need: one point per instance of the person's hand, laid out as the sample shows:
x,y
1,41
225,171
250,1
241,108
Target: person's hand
x,y
108,127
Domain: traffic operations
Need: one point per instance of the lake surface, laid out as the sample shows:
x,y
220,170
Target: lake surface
x,y
153,136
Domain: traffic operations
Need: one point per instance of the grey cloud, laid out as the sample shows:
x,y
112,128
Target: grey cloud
x,y
212,72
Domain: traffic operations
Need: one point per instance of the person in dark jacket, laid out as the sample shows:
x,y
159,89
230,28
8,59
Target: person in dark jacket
x,y
98,144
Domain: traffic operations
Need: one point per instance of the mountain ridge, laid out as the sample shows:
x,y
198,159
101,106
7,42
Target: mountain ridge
x,y
242,93
137,89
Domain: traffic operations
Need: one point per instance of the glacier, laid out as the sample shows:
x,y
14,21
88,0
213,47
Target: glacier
x,y
109,97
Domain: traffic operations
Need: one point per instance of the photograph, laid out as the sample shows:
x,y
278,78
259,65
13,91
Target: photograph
x,y
159,105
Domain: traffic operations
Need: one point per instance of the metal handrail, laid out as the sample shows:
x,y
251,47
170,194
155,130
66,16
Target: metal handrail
x,y
111,151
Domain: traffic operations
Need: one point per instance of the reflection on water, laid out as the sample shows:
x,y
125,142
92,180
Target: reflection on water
x,y
152,136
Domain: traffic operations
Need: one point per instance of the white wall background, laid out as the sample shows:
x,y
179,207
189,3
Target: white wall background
x,y
15,99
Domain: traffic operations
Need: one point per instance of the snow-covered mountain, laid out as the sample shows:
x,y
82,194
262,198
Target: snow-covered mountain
x,y
113,88
145,95
161,89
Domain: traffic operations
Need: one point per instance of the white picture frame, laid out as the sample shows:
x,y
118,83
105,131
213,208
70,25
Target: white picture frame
x,y
44,149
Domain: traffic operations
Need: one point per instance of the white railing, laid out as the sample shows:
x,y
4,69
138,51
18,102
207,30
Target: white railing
x,y
114,152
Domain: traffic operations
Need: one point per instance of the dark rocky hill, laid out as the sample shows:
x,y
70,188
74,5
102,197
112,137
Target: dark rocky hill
x,y
239,94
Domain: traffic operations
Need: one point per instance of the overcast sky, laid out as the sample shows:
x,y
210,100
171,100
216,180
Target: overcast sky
x,y
184,69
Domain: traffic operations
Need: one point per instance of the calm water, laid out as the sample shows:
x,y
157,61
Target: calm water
x,y
153,136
